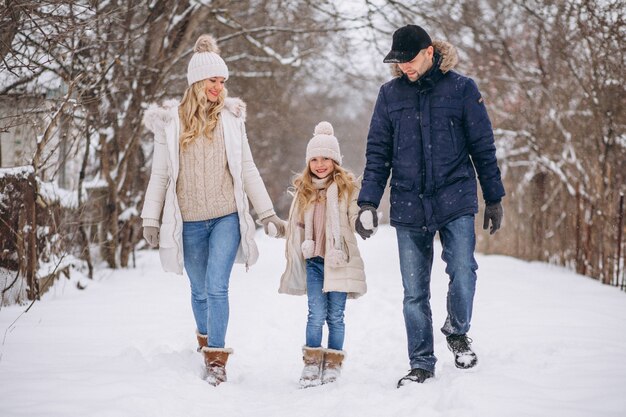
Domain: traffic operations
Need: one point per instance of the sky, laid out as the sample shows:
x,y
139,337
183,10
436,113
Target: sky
x,y
549,343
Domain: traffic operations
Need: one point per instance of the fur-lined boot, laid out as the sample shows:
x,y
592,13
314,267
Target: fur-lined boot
x,y
202,341
333,360
215,362
311,374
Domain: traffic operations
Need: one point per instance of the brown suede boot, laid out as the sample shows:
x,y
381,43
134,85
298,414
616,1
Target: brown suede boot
x,y
312,372
215,362
202,341
333,360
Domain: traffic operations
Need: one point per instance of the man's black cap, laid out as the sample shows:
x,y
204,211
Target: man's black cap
x,y
407,42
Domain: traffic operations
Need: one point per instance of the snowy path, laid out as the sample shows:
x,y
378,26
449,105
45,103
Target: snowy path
x,y
550,343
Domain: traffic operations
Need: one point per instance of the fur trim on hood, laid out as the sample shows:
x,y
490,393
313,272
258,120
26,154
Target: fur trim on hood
x,y
448,54
157,116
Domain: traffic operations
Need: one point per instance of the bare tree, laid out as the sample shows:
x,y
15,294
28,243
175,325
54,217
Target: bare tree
x,y
112,58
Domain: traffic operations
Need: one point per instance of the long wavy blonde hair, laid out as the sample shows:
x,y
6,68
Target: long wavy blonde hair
x,y
198,115
306,192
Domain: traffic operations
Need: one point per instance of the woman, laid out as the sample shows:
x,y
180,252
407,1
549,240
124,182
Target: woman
x,y
202,176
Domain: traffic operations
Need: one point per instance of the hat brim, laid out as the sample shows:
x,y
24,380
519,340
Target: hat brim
x,y
399,57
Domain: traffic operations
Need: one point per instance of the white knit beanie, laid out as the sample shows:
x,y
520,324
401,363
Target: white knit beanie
x,y
206,62
323,143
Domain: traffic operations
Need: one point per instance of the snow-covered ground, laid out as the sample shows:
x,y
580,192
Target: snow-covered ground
x,y
550,343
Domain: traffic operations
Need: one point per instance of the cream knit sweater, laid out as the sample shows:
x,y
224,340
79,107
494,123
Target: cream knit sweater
x,y
205,186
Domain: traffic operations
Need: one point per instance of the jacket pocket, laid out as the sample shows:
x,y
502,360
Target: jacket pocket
x,y
402,184
404,118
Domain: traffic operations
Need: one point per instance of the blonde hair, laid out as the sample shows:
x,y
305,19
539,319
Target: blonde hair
x,y
306,192
198,115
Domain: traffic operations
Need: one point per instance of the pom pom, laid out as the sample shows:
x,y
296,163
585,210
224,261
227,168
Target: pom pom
x,y
206,43
324,128
308,248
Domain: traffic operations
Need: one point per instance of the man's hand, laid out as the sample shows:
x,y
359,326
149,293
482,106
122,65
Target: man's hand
x,y
367,221
151,234
273,226
493,213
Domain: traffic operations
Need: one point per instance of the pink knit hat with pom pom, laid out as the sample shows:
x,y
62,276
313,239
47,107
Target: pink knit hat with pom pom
x,y
206,62
323,143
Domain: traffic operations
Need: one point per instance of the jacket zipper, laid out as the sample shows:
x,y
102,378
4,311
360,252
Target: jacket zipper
x,y
453,137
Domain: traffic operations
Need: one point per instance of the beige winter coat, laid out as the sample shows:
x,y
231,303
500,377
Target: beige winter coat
x,y
161,192
349,278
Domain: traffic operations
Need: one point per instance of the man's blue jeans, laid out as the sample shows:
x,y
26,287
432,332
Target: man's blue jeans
x,y
209,248
323,307
416,260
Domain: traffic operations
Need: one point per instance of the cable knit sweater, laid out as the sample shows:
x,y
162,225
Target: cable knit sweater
x,y
205,187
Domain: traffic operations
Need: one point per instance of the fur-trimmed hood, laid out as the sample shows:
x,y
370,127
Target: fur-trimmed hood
x,y
158,116
449,58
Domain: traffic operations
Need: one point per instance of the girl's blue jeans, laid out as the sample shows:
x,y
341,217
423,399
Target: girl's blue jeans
x,y
209,248
323,308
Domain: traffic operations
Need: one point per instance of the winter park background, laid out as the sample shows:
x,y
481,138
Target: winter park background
x,y
90,325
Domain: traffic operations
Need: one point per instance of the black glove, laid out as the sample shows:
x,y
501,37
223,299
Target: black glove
x,y
369,228
493,212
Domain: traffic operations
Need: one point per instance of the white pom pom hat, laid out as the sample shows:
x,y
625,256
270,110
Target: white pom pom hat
x,y
206,62
323,143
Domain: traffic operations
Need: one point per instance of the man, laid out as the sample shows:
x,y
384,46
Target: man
x,y
430,131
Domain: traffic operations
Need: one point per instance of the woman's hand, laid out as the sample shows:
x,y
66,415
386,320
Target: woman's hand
x,y
273,226
151,234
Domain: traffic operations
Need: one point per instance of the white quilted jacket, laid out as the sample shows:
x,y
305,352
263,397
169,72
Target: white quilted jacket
x,y
161,197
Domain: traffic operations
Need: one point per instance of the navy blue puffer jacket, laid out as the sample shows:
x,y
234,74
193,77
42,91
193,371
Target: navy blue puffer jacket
x,y
432,135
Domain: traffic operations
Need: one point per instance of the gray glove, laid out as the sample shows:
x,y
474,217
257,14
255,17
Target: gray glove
x,y
151,234
273,226
493,213
367,221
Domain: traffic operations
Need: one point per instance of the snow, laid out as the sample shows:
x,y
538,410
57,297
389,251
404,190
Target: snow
x,y
51,193
549,343
21,171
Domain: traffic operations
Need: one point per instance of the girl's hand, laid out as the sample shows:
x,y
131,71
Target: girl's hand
x,y
367,221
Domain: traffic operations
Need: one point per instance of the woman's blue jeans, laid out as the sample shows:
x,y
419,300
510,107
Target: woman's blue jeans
x,y
209,248
416,260
323,308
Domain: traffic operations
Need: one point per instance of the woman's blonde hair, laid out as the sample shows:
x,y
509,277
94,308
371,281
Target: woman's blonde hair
x,y
198,115
306,191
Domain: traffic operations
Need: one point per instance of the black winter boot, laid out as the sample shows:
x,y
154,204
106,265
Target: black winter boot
x,y
415,375
464,356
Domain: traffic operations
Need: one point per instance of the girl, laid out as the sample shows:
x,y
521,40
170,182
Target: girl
x,y
323,259
196,205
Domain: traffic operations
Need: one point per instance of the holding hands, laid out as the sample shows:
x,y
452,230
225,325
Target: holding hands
x,y
273,226
367,221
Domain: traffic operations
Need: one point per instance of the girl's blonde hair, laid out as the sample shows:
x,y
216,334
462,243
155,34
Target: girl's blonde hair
x,y
306,191
198,115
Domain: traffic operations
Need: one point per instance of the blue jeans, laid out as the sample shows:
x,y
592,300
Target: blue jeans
x,y
323,307
416,260
209,248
